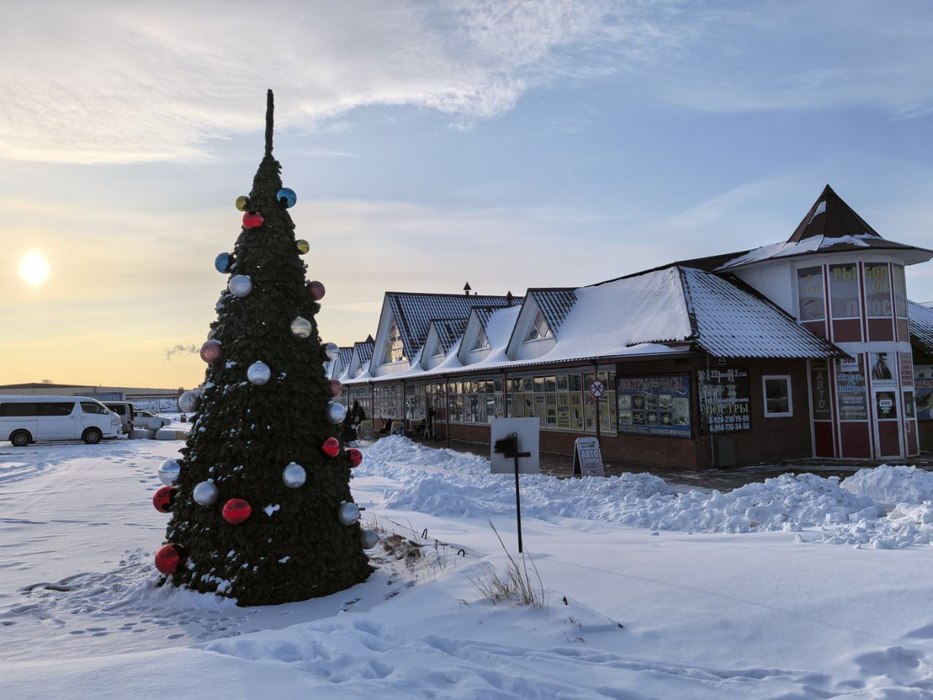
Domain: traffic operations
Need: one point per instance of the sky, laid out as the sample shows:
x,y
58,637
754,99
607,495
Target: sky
x,y
507,145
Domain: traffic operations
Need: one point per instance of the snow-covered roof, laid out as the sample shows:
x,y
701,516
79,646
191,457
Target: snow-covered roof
x,y
831,226
669,310
449,331
364,350
920,319
413,312
555,304
344,357
733,322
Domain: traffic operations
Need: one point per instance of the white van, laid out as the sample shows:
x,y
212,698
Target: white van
x,y
26,419
124,409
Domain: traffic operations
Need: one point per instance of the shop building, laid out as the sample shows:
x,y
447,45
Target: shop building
x,y
808,347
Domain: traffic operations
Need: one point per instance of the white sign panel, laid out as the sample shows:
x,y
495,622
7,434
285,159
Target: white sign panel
x,y
527,431
587,457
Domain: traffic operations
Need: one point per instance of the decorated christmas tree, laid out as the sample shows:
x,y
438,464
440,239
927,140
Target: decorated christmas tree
x,y
260,502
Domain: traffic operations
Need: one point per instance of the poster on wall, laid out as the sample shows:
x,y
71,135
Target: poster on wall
x,y
654,405
923,391
885,405
819,387
723,397
850,387
881,372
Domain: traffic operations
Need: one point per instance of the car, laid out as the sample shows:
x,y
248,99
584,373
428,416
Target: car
x,y
28,419
147,419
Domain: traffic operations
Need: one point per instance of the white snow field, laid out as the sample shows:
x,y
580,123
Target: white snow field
x,y
802,587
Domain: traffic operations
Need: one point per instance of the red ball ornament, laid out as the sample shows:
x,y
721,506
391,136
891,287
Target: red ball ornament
x,y
168,558
336,388
236,510
331,447
162,499
252,219
211,351
356,457
316,290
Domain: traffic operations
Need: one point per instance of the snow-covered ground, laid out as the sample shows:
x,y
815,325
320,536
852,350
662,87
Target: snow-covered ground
x,y
801,587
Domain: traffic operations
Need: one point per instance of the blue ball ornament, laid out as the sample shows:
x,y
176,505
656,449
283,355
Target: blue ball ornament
x,y
286,197
222,262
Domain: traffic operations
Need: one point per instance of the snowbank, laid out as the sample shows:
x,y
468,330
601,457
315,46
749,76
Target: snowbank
x,y
880,507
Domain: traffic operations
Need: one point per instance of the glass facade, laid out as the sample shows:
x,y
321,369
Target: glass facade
x,y
811,303
877,290
844,291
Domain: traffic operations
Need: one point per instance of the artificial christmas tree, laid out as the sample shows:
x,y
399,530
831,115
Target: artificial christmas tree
x,y
258,507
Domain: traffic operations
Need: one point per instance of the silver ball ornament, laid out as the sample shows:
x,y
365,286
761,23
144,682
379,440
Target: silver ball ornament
x,y
301,327
332,351
258,373
169,471
348,514
188,401
240,285
294,475
370,539
205,493
336,412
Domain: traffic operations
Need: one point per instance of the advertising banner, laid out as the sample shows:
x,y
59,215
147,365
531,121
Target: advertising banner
x,y
657,404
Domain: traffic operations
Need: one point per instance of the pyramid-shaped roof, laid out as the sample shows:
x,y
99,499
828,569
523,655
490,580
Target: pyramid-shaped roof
x,y
831,217
831,226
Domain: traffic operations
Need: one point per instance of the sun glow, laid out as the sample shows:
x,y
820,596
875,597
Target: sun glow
x,y
34,268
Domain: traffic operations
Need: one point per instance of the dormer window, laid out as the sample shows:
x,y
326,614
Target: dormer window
x,y
395,351
482,342
439,351
539,329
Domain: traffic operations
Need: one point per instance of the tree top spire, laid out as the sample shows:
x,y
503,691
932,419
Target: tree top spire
x,y
270,106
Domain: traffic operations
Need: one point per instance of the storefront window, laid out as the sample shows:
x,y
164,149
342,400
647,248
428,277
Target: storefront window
x,y
810,294
777,397
878,290
900,292
843,291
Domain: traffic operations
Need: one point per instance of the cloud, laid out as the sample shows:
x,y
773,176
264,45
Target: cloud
x,y
801,55
110,82
181,350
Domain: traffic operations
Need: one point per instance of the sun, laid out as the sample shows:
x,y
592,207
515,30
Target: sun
x,y
34,268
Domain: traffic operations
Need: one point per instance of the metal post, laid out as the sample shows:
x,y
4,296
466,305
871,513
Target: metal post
x,y
518,500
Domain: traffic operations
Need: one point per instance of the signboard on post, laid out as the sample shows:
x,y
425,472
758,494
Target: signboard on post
x,y
597,389
527,432
587,458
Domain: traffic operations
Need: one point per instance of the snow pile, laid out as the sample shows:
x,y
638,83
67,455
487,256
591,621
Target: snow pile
x,y
880,507
892,485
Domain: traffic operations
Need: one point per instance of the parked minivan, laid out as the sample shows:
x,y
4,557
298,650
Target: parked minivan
x,y
26,419
125,410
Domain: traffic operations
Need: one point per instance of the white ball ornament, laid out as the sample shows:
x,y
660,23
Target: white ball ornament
x,y
259,373
370,539
188,401
240,285
348,514
336,412
332,351
205,493
294,475
169,471
301,327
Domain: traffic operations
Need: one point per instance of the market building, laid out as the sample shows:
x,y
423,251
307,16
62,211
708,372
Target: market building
x,y
804,348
